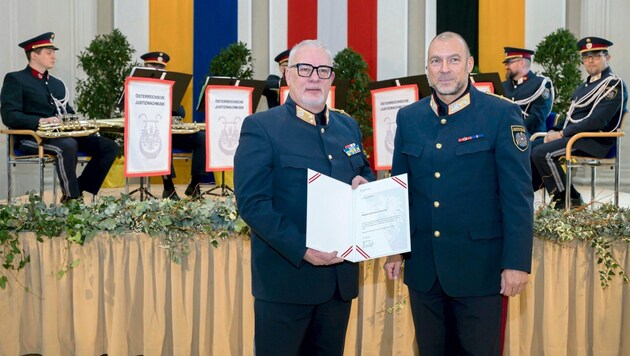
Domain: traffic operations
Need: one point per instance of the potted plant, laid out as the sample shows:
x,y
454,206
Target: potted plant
x,y
558,55
234,61
349,65
106,61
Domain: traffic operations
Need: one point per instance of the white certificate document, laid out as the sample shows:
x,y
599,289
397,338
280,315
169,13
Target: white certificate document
x,y
369,222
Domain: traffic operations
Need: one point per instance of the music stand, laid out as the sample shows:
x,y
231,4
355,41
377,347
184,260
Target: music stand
x,y
420,81
165,89
182,81
223,187
141,189
258,85
491,78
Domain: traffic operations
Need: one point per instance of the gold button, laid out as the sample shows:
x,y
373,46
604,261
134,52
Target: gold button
x,y
329,156
438,146
437,175
436,204
443,121
322,130
436,233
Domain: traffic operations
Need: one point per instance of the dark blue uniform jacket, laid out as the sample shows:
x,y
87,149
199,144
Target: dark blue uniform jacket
x,y
604,117
471,199
270,166
26,98
538,110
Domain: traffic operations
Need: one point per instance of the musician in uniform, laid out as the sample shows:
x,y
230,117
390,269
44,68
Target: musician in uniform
x,y
194,141
272,85
302,296
597,105
533,93
33,96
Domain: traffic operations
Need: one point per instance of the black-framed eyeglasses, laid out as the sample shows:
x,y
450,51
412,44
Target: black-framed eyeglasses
x,y
586,57
306,70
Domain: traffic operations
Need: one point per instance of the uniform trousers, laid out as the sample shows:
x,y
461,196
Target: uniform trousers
x,y
102,151
297,329
549,171
447,325
195,142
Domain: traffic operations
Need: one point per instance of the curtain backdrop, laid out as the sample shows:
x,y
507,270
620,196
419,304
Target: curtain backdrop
x,y
125,297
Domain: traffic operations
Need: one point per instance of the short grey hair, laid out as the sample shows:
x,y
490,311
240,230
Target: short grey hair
x,y
448,35
309,43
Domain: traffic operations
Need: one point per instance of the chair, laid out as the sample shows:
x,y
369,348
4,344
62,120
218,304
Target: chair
x,y
16,156
612,159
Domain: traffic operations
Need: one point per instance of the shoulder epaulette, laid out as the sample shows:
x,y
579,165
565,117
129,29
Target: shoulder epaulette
x,y
339,111
498,96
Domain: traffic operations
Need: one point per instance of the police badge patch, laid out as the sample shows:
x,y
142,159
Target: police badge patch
x,y
612,94
519,137
546,94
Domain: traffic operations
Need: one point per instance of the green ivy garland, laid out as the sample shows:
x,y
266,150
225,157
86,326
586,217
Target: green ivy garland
x,y
175,223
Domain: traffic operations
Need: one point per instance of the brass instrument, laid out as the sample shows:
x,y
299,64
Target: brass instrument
x,y
180,127
177,126
70,125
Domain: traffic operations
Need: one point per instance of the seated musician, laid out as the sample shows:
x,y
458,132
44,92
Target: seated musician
x,y
33,96
597,105
532,92
272,85
195,141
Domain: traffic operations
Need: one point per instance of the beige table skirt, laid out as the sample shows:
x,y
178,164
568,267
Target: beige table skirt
x,y
125,297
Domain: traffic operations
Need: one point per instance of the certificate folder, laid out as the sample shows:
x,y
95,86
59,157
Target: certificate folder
x,y
368,222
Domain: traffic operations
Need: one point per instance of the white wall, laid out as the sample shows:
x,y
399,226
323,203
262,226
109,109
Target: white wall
x,y
542,17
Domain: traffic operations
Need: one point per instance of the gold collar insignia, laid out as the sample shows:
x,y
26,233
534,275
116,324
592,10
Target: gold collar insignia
x,y
454,107
307,116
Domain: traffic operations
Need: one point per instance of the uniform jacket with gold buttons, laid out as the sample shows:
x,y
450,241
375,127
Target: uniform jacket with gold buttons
x,y
471,200
275,150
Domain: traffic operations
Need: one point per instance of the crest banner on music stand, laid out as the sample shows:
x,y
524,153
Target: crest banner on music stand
x,y
385,105
147,127
226,108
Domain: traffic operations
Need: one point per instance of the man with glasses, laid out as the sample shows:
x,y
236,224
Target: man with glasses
x,y
302,296
533,93
597,105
